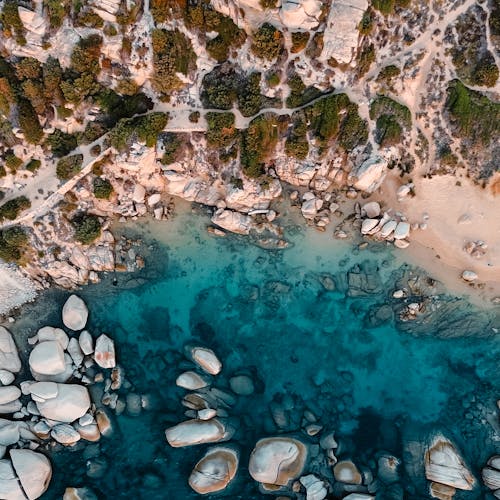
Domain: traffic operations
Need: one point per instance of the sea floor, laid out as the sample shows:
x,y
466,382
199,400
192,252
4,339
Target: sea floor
x,y
292,321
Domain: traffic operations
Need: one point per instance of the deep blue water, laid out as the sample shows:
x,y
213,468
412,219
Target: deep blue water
x,y
268,313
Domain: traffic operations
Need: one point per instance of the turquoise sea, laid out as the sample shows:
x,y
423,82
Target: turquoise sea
x,y
316,327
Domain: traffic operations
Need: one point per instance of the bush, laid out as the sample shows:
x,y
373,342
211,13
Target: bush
x,y
194,117
299,93
249,98
87,228
486,72
28,67
220,87
386,7
102,188
85,55
385,105
28,122
365,59
12,162
366,24
268,4
61,143
68,167
11,209
11,21
221,130
230,36
296,144
57,12
171,144
33,165
273,79
387,73
389,132
267,42
299,41
13,242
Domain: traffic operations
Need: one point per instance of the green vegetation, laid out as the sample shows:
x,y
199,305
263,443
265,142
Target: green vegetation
x,y
299,41
12,208
87,228
29,67
249,98
12,162
142,128
475,116
299,93
69,166
13,243
267,42
172,53
102,188
12,23
258,141
85,55
389,132
366,24
28,122
387,73
61,143
127,87
194,117
391,120
296,144
386,7
353,129
33,165
171,144
89,19
221,131
220,87
57,12
273,79
230,36
386,105
365,59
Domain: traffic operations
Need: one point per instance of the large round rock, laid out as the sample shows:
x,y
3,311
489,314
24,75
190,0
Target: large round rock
x,y
33,470
277,460
214,471
75,313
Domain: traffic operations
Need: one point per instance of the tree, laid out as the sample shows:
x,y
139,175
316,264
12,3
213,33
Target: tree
x,y
13,242
11,209
87,228
102,188
28,122
61,143
268,42
28,67
69,166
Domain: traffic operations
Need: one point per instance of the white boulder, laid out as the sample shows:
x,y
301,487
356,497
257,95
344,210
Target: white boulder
x,y
47,358
191,381
9,393
469,276
139,194
371,209
86,342
315,487
206,359
50,333
402,230
65,434
346,472
6,377
370,174
72,402
9,432
388,228
9,357
104,354
75,352
300,14
368,225
193,432
491,473
235,222
443,464
10,487
277,460
33,470
214,471
75,313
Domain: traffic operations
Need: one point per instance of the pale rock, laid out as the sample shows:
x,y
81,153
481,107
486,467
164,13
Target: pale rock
x,y
403,191
206,413
75,352
388,228
371,209
47,358
104,354
6,377
154,199
194,432
65,434
443,464
491,473
346,472
139,194
42,429
469,276
300,14
442,491
206,359
191,381
327,441
33,470
10,487
79,494
9,357
235,222
47,333
310,207
44,390
103,423
359,496
79,259
242,385
368,225
370,174
12,407
75,313
277,460
87,419
402,231
71,402
401,244
9,432
399,294
9,393
86,342
315,487
214,471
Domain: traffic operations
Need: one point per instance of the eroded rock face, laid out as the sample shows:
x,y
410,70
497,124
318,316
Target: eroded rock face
x,y
277,460
193,432
75,313
214,471
34,471
9,358
443,464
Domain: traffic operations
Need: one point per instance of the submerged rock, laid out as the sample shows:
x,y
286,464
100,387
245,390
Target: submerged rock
x,y
242,385
191,381
79,494
315,487
193,432
346,472
277,460
9,484
443,464
65,434
9,357
214,471
34,471
491,473
75,313
86,342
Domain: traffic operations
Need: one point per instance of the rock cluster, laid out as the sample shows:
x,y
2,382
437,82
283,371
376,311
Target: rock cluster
x,y
491,475
55,407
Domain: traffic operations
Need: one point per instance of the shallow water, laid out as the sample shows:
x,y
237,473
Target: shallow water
x,y
268,313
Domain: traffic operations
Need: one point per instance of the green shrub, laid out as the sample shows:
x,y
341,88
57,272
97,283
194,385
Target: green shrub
x,y
486,72
85,55
11,209
221,131
57,12
12,22
12,162
171,144
385,105
3,173
194,117
365,59
299,41
28,67
230,36
387,73
389,132
13,243
249,98
69,166
296,144
299,93
220,87
33,165
273,79
268,4
366,24
61,143
87,228
386,7
102,188
353,129
267,42
28,122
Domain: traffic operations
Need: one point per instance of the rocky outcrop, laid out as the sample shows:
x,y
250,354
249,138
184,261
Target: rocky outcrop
x,y
214,471
444,465
491,474
277,460
300,14
369,175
